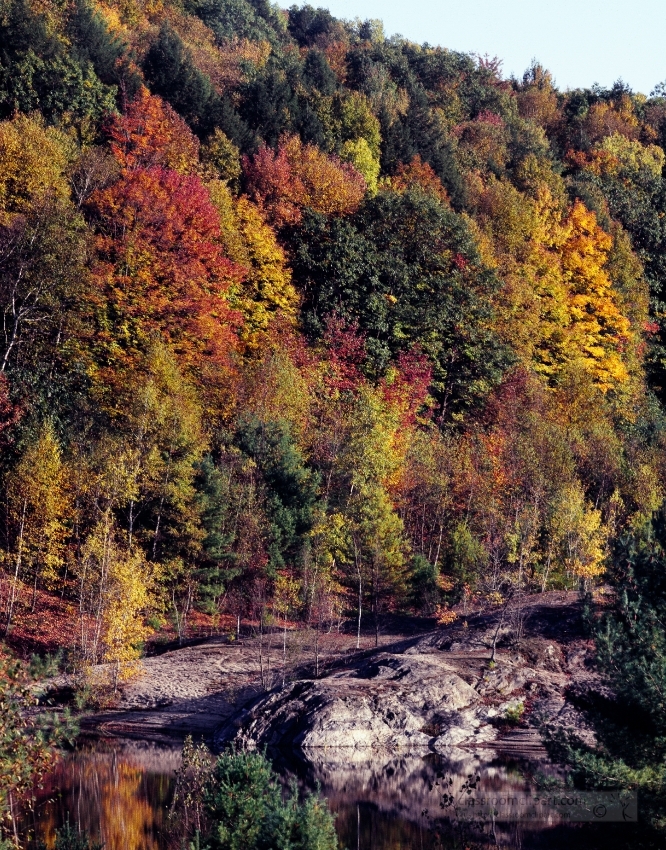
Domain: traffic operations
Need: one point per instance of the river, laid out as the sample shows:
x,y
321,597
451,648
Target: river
x,y
120,793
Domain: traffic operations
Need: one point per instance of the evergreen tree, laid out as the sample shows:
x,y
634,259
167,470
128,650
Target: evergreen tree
x,y
292,488
92,42
37,71
245,807
172,74
631,652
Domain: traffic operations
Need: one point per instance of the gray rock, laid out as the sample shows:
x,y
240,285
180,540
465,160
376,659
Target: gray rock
x,y
390,702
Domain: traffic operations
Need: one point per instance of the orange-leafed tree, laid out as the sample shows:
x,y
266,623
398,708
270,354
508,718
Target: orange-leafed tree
x,y
151,133
418,175
161,272
282,182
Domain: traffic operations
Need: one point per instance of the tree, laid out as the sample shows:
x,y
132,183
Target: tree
x,y
164,440
291,487
246,811
113,598
286,596
38,511
37,71
128,601
161,274
266,292
296,176
555,267
93,42
576,529
9,412
231,500
172,74
376,546
358,153
71,838
144,476
418,175
597,330
150,133
631,651
407,270
27,747
41,281
33,160
222,157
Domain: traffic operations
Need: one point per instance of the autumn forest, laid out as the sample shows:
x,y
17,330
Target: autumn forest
x,y
301,323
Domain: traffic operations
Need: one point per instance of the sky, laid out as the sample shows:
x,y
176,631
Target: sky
x,y
580,41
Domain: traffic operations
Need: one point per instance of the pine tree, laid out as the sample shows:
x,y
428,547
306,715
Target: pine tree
x,y
631,651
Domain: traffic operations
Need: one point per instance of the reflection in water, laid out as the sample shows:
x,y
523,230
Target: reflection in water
x,y
120,795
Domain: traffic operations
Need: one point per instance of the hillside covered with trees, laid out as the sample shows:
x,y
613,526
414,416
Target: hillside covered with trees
x,y
303,322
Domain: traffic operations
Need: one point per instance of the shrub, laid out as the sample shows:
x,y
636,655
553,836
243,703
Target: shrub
x,y
244,809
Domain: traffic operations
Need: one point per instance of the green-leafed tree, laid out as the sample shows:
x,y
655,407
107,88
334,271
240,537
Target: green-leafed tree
x,y
407,270
631,651
37,71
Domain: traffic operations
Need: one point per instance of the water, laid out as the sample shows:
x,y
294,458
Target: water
x,y
120,794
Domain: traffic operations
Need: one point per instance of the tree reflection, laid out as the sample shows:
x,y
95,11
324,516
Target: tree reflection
x,y
118,797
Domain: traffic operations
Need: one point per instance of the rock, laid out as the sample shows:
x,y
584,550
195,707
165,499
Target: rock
x,y
392,703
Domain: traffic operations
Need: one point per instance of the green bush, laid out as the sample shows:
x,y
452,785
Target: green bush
x,y
514,713
48,666
247,812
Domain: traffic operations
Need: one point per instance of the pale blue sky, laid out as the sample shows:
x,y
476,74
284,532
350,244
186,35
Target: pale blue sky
x,y
580,41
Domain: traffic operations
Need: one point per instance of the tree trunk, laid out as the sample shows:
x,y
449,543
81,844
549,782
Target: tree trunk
x,y
284,650
317,650
34,592
261,648
12,598
358,630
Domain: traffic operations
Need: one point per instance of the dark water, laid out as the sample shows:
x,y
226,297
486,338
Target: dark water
x,y
120,794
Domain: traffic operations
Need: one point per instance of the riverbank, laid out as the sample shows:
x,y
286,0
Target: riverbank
x,y
434,690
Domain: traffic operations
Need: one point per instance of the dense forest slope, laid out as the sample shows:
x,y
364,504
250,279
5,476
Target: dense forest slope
x,y
303,322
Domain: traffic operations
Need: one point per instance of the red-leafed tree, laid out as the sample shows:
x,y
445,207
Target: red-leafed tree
x,y
345,354
161,272
407,383
151,133
282,182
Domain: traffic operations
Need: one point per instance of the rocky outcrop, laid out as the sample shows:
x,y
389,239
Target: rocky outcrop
x,y
389,701
436,693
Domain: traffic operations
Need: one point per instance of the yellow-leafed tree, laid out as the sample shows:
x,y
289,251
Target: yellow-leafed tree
x,y
114,584
266,291
39,507
124,628
596,330
578,534
33,160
